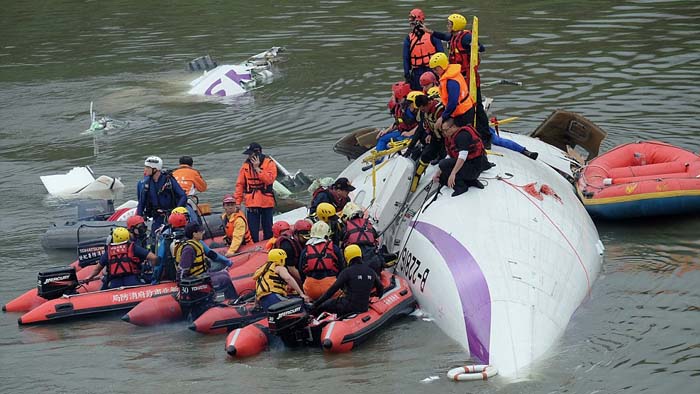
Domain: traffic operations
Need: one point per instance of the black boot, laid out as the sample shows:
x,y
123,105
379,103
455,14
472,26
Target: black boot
x,y
476,183
532,155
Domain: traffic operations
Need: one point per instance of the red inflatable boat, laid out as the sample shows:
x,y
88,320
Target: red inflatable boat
x,y
289,321
641,179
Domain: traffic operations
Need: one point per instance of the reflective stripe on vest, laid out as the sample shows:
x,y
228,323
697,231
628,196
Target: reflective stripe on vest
x,y
121,260
269,282
421,49
199,265
476,148
359,232
465,102
321,260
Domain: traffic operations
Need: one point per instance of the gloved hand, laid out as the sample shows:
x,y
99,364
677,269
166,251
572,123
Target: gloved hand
x,y
157,273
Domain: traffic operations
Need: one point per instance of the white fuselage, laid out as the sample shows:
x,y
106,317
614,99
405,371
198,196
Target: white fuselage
x,y
500,269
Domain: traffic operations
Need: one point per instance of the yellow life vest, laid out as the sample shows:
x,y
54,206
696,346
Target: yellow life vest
x,y
199,265
267,281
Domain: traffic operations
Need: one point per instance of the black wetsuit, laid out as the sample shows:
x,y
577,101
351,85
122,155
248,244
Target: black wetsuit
x,y
357,281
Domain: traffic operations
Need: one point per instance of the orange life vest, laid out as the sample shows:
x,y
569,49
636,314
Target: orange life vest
x,y
420,49
465,103
252,189
230,225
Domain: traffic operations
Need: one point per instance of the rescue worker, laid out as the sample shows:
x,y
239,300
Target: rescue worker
x,y
327,213
460,40
399,90
337,194
191,259
429,111
185,211
189,179
158,193
236,231
428,80
403,126
254,187
356,281
418,47
292,242
175,232
278,228
320,261
272,279
466,161
139,232
123,259
454,94
359,231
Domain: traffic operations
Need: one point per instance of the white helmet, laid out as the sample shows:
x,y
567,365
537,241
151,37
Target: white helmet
x,y
351,209
154,162
320,229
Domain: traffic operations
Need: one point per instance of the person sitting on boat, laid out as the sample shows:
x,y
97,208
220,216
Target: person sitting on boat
x,y
278,228
173,232
191,259
272,279
189,179
399,90
466,161
460,40
430,109
327,213
292,242
359,231
336,194
402,128
418,46
320,262
236,231
254,187
454,94
138,230
158,193
356,281
123,259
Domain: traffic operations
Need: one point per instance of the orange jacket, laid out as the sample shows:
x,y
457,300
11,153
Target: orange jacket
x,y
255,189
454,71
236,230
189,179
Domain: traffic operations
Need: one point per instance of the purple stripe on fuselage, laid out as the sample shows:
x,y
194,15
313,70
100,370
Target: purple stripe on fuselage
x,y
471,285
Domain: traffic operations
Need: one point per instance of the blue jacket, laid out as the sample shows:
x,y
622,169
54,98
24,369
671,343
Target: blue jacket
x,y
466,40
165,194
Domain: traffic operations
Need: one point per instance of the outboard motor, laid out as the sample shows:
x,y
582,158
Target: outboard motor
x,y
56,282
289,320
196,295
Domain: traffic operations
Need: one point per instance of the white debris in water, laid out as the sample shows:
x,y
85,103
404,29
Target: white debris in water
x,y
430,379
422,315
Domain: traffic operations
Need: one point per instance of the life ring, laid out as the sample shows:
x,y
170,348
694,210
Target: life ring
x,y
472,372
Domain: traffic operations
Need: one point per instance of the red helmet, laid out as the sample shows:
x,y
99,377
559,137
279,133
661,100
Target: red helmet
x,y
427,78
416,14
228,199
302,226
279,227
401,90
134,221
177,220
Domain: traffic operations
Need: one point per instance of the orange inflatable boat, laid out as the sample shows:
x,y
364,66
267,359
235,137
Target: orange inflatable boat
x,y
641,179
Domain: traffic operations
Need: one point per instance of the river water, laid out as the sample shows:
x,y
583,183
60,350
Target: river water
x,y
633,67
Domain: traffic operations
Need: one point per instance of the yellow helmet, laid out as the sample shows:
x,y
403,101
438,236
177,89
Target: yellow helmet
x,y
325,211
439,60
434,92
120,235
277,256
181,210
459,22
320,230
351,252
351,209
412,96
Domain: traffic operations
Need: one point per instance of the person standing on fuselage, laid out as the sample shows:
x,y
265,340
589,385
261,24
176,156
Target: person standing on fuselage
x,y
418,47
